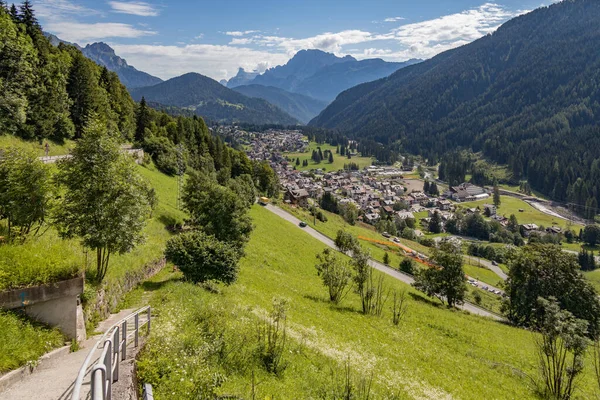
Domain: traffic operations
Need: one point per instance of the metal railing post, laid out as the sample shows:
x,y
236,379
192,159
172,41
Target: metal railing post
x,y
137,328
116,339
124,339
98,382
114,350
109,370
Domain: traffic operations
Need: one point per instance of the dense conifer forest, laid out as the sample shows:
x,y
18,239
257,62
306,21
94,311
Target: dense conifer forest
x,y
527,96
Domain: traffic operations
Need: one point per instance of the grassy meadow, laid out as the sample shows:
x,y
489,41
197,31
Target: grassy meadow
x,y
338,160
511,205
205,342
335,223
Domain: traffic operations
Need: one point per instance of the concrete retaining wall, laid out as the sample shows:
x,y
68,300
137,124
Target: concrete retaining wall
x,y
55,304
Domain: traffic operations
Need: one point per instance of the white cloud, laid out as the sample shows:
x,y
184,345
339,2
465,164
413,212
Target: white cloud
x,y
53,9
328,41
240,33
84,33
428,38
393,19
200,36
135,8
417,40
215,61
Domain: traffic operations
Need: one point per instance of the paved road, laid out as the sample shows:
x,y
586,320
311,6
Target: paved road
x,y
377,265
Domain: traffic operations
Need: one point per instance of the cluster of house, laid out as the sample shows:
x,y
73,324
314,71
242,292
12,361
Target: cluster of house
x,y
270,145
373,190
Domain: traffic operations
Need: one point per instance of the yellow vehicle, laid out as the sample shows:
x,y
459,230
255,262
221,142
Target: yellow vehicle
x,y
263,201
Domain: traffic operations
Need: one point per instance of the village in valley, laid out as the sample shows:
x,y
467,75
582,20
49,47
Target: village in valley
x,y
377,192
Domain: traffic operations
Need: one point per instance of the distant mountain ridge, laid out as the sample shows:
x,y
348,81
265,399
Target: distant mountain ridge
x,y
527,96
242,78
323,76
301,107
104,55
211,100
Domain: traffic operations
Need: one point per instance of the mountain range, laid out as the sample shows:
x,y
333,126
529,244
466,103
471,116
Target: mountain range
x,y
318,74
104,55
301,107
527,95
211,100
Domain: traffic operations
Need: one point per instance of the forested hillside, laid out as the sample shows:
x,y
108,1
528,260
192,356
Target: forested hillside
x,y
54,92
299,106
527,96
47,91
211,100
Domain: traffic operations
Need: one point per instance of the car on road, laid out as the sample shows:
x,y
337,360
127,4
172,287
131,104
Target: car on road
x,y
387,235
302,224
494,263
395,239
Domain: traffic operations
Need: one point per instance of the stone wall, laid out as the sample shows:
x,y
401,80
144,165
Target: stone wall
x,y
108,297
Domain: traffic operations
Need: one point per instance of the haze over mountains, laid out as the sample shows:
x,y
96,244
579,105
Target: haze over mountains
x,y
301,107
318,74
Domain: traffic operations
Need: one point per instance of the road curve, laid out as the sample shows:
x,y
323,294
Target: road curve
x,y
473,309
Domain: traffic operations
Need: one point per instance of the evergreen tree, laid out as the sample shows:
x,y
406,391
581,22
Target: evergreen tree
x,y
14,13
82,91
297,161
142,121
27,17
496,194
435,224
330,157
426,187
320,154
433,189
513,224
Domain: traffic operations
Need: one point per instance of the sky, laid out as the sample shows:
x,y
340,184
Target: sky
x,y
216,37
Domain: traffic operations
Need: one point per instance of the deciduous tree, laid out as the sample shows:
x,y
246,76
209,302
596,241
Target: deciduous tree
x,y
105,201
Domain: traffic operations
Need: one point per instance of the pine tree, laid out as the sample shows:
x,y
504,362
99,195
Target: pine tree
x,y
426,187
330,157
297,161
496,194
435,224
27,16
142,121
13,13
320,154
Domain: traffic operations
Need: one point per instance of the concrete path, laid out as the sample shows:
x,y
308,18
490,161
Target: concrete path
x,y
54,380
377,265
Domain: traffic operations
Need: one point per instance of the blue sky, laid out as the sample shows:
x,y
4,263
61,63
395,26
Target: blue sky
x,y
215,38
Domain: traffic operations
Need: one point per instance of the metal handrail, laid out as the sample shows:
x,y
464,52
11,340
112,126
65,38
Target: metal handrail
x,y
114,343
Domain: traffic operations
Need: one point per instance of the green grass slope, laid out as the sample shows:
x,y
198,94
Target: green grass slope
x,y
434,353
338,160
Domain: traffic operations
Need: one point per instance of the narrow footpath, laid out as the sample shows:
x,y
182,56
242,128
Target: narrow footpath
x,y
54,379
377,265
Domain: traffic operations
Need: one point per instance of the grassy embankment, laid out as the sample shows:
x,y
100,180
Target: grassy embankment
x,y
200,337
47,258
335,223
338,160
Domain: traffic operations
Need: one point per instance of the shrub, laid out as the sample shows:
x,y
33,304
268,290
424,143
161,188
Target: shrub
x,y
202,257
407,266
